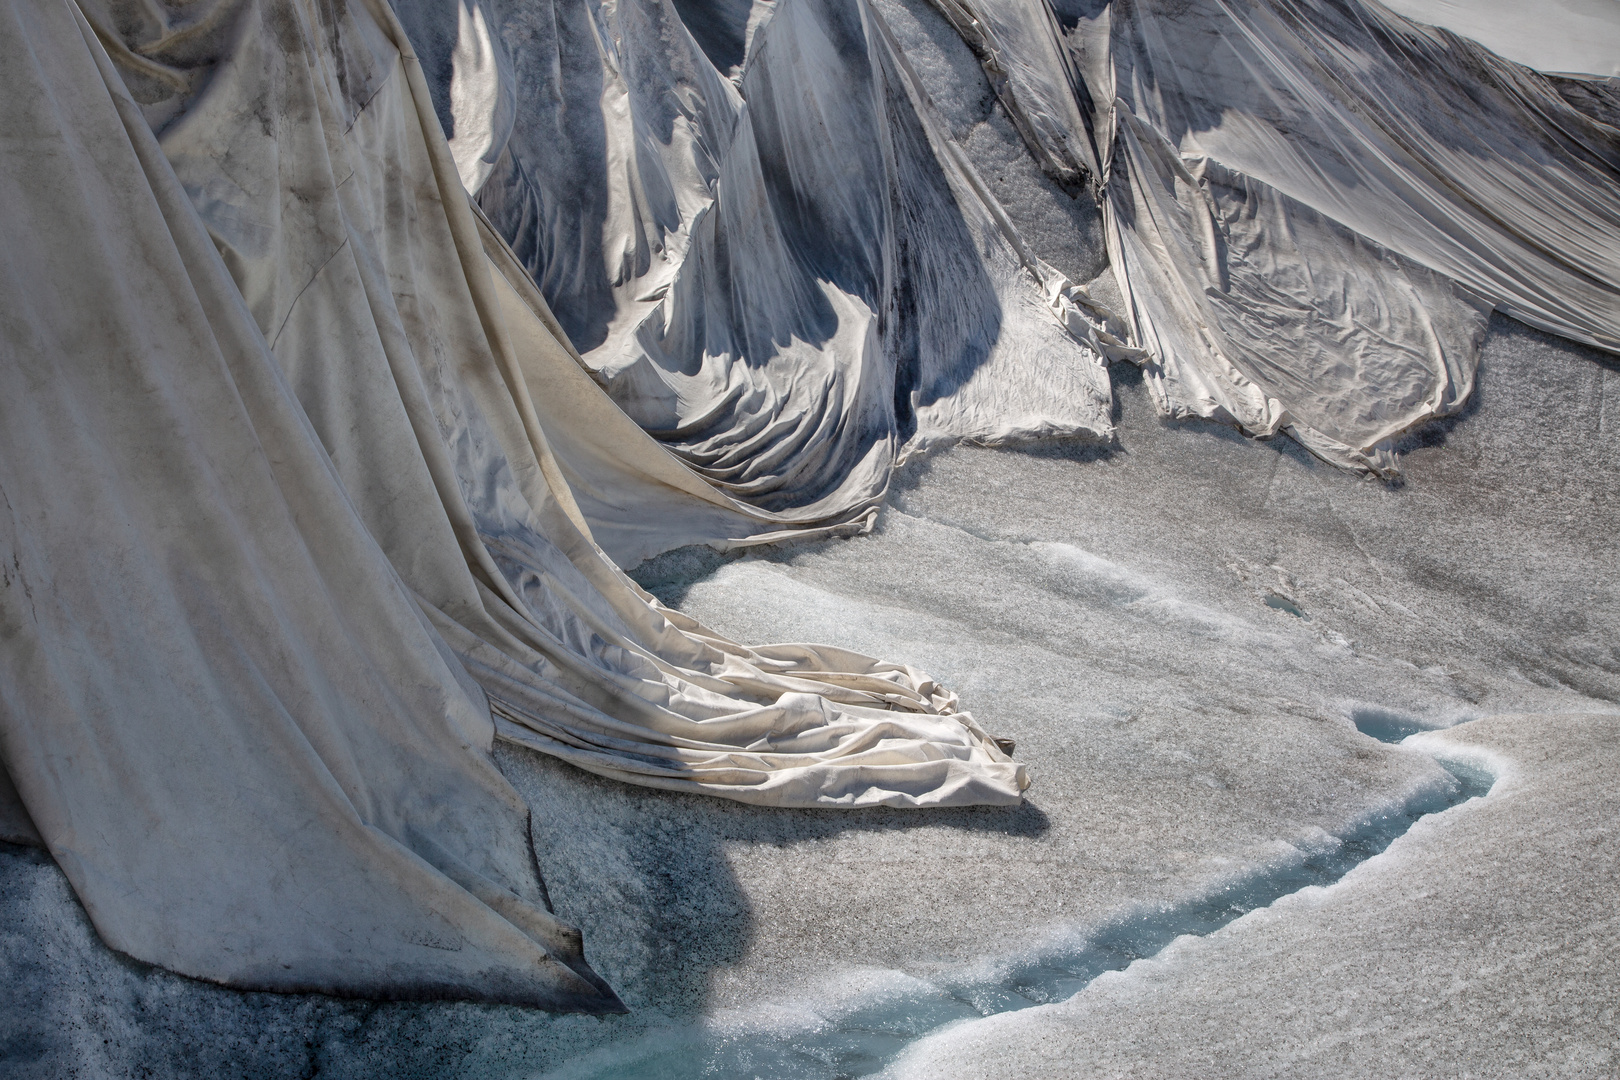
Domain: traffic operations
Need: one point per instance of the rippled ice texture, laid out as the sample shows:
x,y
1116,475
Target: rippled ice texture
x,y
1181,632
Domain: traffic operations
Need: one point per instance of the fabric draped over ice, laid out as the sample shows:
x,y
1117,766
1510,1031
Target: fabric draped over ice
x,y
1312,208
253,759
1381,183
1313,205
306,495
786,286
285,544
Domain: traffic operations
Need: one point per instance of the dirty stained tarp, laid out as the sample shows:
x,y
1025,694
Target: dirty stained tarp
x,y
1312,206
286,544
789,280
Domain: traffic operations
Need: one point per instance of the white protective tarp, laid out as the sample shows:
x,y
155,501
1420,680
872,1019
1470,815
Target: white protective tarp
x,y
285,544
1312,208
786,280
303,480
1313,205
1436,177
251,756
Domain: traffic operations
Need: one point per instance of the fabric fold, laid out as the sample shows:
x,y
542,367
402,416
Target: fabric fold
x,y
1365,190
1312,205
235,732
790,282
378,294
279,522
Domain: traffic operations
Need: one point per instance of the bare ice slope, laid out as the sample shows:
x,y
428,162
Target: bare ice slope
x,y
1482,944
1181,631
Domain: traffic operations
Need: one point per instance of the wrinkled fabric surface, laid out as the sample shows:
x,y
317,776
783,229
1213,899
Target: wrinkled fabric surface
x,y
787,284
238,736
1403,155
308,496
285,543
1313,205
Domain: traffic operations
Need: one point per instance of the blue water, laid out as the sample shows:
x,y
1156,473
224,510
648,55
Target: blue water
x,y
1386,725
860,1040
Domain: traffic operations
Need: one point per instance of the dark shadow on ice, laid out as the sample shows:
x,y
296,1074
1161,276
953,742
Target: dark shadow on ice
x,y
1080,449
1501,327
72,1007
669,576
1134,408
645,873
1434,432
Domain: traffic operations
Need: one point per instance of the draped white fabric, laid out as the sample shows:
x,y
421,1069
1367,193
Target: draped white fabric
x,y
286,543
1312,208
788,284
1313,205
1439,180
307,495
250,754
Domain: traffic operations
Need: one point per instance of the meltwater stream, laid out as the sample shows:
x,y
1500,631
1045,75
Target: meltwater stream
x,y
890,1011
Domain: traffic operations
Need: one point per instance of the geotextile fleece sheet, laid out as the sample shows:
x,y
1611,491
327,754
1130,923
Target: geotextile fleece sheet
x,y
285,544
307,496
786,280
791,276
1362,189
1312,206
